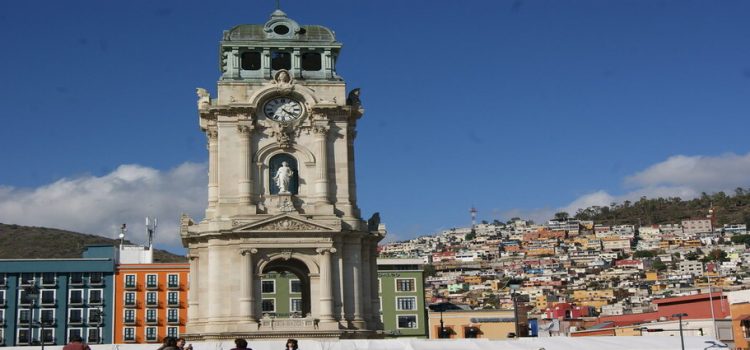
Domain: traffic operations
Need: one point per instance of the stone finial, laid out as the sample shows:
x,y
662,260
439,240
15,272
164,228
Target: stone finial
x,y
204,98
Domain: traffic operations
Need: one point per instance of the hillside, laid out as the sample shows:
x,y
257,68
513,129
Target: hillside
x,y
26,242
729,209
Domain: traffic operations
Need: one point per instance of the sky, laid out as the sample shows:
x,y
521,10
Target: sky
x,y
517,108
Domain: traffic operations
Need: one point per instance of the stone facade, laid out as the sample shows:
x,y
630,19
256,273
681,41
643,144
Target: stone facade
x,y
280,99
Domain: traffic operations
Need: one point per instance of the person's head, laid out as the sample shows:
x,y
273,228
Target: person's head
x,y
240,343
291,344
76,339
284,163
169,341
180,342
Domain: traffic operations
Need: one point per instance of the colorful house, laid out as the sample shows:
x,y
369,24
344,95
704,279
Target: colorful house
x,y
72,297
150,301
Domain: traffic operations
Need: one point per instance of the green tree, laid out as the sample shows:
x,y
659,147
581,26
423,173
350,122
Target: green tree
x,y
644,254
562,216
658,265
717,255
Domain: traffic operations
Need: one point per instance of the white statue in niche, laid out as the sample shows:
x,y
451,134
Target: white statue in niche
x,y
283,177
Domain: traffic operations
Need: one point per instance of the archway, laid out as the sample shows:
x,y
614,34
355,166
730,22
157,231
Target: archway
x,y
285,289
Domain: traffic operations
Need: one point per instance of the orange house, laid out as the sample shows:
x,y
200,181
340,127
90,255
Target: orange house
x,y
150,302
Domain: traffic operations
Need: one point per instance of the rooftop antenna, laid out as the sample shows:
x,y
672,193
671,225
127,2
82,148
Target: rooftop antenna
x,y
151,228
123,229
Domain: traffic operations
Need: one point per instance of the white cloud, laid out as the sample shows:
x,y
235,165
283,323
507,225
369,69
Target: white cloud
x,y
678,176
99,205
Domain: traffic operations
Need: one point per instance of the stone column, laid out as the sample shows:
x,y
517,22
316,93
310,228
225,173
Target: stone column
x,y
215,279
321,182
246,151
213,171
193,299
247,298
326,284
356,254
366,290
375,301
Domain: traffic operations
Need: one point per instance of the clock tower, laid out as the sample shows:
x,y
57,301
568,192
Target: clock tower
x,y
281,193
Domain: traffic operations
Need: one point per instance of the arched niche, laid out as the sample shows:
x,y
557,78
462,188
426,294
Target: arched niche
x,y
274,163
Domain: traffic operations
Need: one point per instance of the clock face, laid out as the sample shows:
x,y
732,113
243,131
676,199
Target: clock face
x,y
283,109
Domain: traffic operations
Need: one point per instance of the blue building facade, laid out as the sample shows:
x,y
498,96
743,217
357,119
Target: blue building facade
x,y
72,297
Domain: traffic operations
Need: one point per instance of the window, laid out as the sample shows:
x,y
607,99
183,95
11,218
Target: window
x,y
406,303
295,305
151,316
151,334
24,316
27,279
23,298
93,337
76,278
311,61
151,299
268,305
130,299
129,316
76,297
48,316
173,298
281,29
48,297
406,321
295,286
380,286
49,279
23,336
152,282
405,285
74,332
173,315
95,317
173,281
2,298
173,332
95,278
129,281
281,60
2,317
128,334
95,296
250,60
75,316
268,286
48,336
2,280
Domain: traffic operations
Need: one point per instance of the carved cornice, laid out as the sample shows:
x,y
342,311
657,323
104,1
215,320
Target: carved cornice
x,y
325,250
287,225
244,252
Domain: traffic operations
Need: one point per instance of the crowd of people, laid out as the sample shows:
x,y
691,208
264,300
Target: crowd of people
x,y
175,343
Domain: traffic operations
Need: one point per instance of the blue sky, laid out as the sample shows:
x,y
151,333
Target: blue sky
x,y
520,107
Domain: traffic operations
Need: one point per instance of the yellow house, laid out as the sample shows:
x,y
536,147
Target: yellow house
x,y
462,324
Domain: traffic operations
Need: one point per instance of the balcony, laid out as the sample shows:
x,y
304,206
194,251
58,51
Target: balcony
x,y
152,286
129,321
131,303
174,303
173,321
152,321
152,303
129,339
173,286
131,286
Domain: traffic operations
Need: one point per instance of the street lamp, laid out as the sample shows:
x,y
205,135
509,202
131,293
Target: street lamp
x,y
682,338
100,314
32,292
440,307
514,285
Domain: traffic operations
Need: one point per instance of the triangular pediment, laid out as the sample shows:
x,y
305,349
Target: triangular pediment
x,y
283,223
